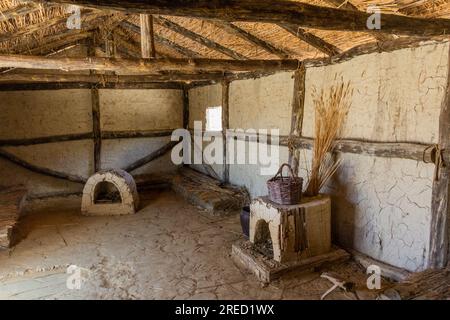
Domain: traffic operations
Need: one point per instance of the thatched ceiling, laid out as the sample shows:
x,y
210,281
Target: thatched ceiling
x,y
27,27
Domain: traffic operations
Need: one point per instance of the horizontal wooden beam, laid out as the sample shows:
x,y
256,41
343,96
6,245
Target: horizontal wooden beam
x,y
144,66
296,13
129,134
412,151
311,39
84,85
28,77
198,38
377,47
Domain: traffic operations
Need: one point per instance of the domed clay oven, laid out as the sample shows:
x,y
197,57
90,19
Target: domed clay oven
x,y
110,192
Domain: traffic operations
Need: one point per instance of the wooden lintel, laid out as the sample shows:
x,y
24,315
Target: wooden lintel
x,y
81,85
296,13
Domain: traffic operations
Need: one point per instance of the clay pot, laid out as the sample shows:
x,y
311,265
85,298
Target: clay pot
x,y
245,220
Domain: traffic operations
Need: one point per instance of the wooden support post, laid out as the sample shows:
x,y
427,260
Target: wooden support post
x,y
298,102
225,126
440,205
147,36
185,107
96,129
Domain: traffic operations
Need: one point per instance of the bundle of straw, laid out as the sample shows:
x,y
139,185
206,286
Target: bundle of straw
x,y
331,109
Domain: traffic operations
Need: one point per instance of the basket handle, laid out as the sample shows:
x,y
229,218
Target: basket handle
x,y
280,171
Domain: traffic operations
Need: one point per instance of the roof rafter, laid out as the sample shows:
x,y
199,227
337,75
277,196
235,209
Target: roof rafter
x,y
198,38
235,30
313,40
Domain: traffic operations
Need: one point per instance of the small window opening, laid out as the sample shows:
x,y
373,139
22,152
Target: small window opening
x,y
214,118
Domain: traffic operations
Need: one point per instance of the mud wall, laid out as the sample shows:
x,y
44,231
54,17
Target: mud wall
x,y
31,114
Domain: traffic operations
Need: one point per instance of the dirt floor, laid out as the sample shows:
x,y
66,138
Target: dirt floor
x,y
168,250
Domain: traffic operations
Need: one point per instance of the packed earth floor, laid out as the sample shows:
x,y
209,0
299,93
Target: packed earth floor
x,y
168,250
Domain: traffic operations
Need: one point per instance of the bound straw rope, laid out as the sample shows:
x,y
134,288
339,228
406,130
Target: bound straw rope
x,y
438,159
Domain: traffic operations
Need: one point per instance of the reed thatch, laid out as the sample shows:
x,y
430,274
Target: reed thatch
x,y
27,25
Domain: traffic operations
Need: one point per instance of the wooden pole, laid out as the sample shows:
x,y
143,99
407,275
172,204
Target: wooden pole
x,y
298,104
147,36
440,206
225,126
144,66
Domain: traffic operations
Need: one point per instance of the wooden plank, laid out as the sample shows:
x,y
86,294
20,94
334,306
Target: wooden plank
x,y
241,33
198,38
301,14
313,40
147,36
225,126
130,134
440,206
298,102
144,66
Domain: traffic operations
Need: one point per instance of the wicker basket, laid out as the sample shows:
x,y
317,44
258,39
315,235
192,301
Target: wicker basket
x,y
285,190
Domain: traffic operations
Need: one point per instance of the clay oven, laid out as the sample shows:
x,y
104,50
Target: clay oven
x,y
110,192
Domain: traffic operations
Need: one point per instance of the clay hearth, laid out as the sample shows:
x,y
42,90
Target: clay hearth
x,y
110,192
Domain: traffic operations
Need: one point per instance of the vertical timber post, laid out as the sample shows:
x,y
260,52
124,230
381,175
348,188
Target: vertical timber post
x,y
225,127
440,206
298,102
147,36
95,101
185,107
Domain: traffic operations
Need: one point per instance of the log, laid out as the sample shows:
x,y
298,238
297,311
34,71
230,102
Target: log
x,y
152,156
105,78
80,85
440,206
241,33
130,134
198,38
311,39
41,170
401,150
298,104
301,14
147,36
49,139
225,126
96,129
185,108
144,66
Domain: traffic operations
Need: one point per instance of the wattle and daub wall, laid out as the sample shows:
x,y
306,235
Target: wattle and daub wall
x,y
31,114
381,205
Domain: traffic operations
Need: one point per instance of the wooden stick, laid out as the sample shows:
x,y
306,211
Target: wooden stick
x,y
225,126
152,156
147,36
440,206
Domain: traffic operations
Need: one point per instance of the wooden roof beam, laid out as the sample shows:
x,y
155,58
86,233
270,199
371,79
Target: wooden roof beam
x,y
198,38
313,40
296,13
144,66
241,33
